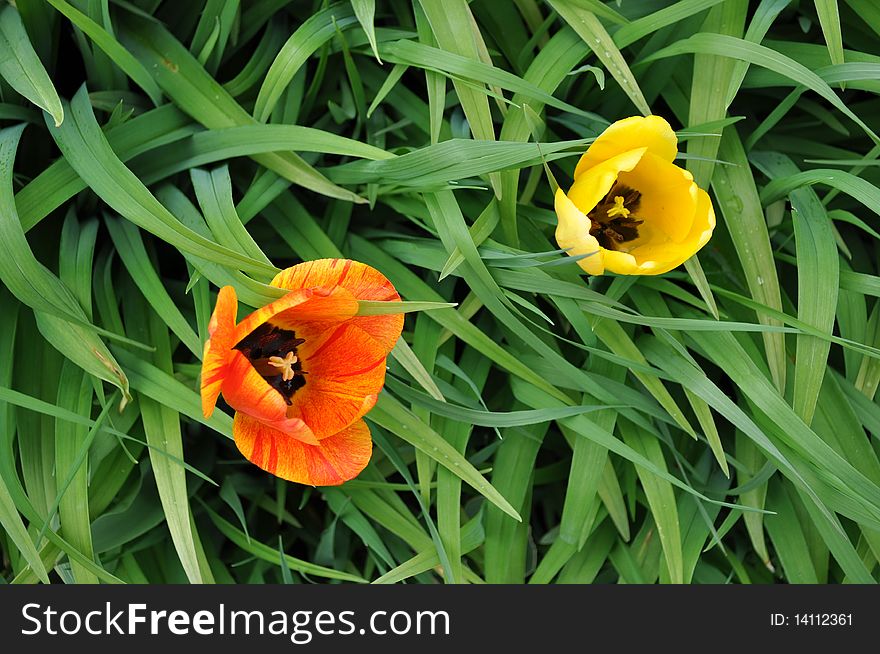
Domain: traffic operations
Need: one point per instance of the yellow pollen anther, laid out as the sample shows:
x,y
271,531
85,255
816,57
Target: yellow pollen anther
x,y
286,364
618,209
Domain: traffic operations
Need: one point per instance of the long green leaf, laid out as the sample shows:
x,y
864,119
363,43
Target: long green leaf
x,y
21,67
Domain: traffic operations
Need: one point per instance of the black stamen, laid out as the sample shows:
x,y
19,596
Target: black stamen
x,y
267,341
613,231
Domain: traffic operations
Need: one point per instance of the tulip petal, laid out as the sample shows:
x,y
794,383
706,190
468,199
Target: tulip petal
x,y
319,305
668,195
661,257
573,235
593,185
346,371
652,132
334,460
363,281
621,263
221,330
245,390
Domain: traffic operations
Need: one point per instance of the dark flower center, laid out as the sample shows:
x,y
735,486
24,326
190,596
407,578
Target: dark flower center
x,y
613,220
272,351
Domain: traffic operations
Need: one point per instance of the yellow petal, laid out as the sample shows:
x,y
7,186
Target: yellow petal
x,y
668,195
594,184
662,256
652,132
573,234
621,263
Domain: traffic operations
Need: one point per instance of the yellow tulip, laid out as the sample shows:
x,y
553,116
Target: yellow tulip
x,y
631,211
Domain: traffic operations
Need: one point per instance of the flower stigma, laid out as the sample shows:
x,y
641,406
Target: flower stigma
x,y
618,209
272,351
286,364
612,221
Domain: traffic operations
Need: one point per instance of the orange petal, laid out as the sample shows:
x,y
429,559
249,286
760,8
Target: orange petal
x,y
218,347
363,281
334,460
245,390
346,371
651,132
320,305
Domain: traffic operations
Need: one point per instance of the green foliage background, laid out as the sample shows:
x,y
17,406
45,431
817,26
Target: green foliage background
x,y
715,424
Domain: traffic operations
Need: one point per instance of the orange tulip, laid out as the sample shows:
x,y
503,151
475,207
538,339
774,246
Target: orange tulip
x,y
302,371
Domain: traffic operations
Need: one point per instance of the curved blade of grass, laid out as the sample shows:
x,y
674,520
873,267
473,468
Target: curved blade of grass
x,y
365,11
316,30
86,148
449,160
818,284
860,189
740,205
266,553
725,351
108,43
487,418
261,58
190,87
393,416
759,55
134,256
32,283
762,19
594,34
59,182
74,393
641,27
21,67
162,429
450,20
829,19
431,58
13,526
213,32
214,193
660,496
712,76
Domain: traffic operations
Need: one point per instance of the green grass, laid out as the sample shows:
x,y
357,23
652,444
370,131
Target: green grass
x,y
716,424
